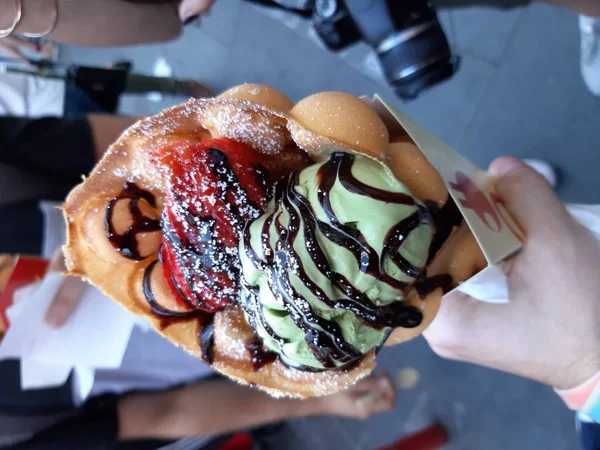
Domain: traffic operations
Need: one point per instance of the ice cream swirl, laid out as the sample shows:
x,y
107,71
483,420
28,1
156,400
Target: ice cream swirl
x,y
326,268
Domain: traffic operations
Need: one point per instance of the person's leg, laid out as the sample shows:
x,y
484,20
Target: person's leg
x,y
588,432
218,406
21,228
42,147
92,427
78,103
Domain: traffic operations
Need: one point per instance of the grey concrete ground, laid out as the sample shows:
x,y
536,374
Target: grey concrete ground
x,y
519,92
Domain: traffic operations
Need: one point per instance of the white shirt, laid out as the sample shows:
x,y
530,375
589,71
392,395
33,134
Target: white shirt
x,y
30,96
151,362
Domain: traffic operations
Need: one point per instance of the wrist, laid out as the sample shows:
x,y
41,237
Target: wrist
x,y
576,370
585,393
310,407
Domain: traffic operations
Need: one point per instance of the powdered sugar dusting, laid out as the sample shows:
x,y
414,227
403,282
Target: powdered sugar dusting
x,y
243,122
232,333
267,134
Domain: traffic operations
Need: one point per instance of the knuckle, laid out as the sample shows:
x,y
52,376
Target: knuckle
x,y
519,182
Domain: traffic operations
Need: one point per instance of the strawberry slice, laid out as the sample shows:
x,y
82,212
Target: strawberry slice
x,y
216,186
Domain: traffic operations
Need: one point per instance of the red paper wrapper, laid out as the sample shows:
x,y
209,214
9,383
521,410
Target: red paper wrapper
x,y
26,270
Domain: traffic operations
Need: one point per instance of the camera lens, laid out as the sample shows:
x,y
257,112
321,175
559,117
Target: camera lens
x,y
417,55
409,41
416,59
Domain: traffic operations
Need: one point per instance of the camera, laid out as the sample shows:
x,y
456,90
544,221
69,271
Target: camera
x,y
406,36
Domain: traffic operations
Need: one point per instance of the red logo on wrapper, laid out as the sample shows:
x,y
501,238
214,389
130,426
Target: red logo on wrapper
x,y
475,200
472,189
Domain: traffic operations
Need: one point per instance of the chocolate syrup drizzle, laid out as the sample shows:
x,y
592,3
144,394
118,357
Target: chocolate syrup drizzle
x,y
340,166
260,356
127,243
197,252
445,219
196,256
156,308
324,336
206,326
426,285
206,335
231,189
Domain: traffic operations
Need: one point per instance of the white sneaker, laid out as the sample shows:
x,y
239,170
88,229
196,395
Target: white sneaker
x,y
590,52
544,169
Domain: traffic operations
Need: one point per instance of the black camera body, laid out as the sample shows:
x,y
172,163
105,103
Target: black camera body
x,y
406,36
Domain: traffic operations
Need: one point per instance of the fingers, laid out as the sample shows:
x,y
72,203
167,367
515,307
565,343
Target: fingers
x,y
68,295
57,263
527,196
387,386
448,325
374,394
6,267
386,397
18,42
65,301
12,46
12,53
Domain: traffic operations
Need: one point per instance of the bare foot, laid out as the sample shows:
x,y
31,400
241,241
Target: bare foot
x,y
367,397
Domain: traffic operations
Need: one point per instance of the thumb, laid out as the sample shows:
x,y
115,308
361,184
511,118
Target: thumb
x,y
66,300
526,195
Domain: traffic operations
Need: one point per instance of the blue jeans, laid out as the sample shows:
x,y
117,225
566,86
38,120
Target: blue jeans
x,y
588,432
78,103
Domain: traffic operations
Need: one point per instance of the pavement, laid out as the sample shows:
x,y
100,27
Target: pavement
x,y
519,92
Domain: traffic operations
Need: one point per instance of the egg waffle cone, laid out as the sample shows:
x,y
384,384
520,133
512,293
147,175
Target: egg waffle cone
x,y
284,139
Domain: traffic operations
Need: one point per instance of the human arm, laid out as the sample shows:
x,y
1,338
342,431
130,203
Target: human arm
x,y
549,331
13,47
94,23
106,129
176,413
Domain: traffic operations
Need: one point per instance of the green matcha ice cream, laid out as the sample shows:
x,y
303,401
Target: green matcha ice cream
x,y
326,267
